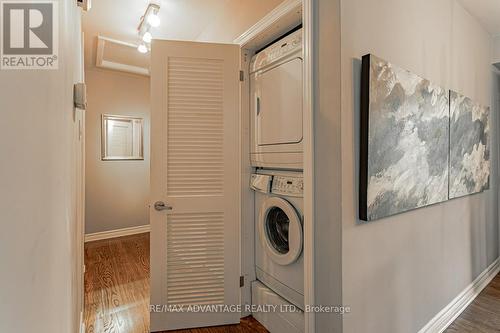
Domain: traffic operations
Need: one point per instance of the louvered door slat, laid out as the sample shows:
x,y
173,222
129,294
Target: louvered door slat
x,y
188,124
206,263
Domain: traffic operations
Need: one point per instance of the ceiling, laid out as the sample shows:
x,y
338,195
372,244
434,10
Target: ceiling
x,y
487,12
196,20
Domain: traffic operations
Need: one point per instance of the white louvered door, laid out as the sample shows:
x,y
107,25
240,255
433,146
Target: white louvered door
x,y
194,169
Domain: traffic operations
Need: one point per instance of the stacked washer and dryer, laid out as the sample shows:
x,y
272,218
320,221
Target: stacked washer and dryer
x,y
276,103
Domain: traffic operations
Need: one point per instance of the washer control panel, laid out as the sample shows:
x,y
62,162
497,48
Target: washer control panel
x,y
291,186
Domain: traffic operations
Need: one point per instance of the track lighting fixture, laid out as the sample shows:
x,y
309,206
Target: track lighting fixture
x,y
147,37
142,48
149,20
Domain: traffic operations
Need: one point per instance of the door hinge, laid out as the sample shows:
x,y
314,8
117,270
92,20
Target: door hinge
x,y
242,281
242,76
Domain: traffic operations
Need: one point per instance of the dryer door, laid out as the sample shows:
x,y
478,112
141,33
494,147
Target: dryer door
x,y
280,231
279,104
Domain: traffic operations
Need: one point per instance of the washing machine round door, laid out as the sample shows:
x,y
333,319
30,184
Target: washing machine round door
x,y
280,231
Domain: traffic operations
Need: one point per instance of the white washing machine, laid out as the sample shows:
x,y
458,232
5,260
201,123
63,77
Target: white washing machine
x,y
276,103
279,233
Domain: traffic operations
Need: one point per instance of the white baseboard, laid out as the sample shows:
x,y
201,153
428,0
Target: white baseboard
x,y
446,316
117,233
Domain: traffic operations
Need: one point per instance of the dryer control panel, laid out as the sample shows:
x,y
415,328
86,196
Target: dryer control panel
x,y
279,50
291,186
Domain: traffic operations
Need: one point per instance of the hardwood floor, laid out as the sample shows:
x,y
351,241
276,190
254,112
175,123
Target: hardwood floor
x,y
117,289
247,325
483,314
117,285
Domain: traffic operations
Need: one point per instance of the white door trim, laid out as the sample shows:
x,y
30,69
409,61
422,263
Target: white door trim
x,y
286,14
247,40
267,21
79,118
246,195
308,18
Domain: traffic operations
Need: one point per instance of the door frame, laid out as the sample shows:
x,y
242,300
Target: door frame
x,y
79,123
308,19
281,14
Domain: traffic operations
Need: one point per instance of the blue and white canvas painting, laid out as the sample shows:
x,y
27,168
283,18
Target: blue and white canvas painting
x,y
404,141
469,146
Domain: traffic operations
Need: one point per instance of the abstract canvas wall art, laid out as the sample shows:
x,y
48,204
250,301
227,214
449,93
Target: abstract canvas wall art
x,y
404,141
469,146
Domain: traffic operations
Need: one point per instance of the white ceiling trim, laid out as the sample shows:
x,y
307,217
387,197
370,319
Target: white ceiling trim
x,y
288,7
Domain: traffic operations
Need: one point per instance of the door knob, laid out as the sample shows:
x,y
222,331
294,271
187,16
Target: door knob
x,y
160,205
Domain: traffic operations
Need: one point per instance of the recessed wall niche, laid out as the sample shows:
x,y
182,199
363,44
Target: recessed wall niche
x,y
122,138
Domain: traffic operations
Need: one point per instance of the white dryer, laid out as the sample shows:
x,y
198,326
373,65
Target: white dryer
x,y
279,233
276,103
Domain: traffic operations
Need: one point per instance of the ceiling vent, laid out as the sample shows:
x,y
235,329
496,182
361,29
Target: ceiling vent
x,y
121,56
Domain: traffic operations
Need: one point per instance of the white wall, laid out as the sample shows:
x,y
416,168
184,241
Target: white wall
x,y
117,192
400,271
37,191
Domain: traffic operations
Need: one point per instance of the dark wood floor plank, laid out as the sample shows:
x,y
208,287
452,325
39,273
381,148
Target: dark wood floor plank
x,y
247,325
483,314
117,289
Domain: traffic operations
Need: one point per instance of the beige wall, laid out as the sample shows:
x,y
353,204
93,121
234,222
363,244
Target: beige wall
x,y
327,208
233,18
400,271
496,50
38,242
117,192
